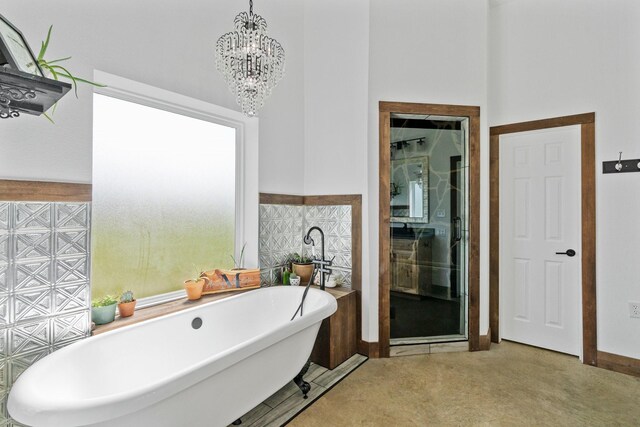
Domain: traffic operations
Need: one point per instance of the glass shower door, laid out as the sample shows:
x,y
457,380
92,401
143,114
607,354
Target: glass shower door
x,y
429,226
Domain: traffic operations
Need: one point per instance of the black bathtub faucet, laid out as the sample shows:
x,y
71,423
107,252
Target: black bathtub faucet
x,y
322,264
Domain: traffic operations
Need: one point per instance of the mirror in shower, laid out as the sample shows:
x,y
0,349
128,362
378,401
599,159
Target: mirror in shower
x,y
409,179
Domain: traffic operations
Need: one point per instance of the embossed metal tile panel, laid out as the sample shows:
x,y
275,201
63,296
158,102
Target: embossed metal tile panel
x,y
44,284
281,231
335,221
282,228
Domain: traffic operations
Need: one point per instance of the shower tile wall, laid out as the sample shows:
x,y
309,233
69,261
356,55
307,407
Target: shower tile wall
x,y
282,228
44,284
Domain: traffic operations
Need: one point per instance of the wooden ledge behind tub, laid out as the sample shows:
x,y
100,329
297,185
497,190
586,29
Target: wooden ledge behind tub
x,y
337,337
163,309
160,310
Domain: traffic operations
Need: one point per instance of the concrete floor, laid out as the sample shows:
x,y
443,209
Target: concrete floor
x,y
510,385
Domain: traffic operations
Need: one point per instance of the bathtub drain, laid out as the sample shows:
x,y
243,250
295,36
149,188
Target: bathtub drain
x,y
196,323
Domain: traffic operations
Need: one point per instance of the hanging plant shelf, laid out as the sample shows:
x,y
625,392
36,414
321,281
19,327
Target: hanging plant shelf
x,y
22,92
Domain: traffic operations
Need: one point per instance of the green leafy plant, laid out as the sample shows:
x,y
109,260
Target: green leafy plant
x,y
127,296
57,71
104,301
300,259
199,274
237,264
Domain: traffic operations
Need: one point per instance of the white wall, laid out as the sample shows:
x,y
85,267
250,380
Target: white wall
x,y
551,58
164,44
433,52
359,52
336,64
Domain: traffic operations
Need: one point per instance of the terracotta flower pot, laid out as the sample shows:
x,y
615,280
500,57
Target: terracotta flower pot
x,y
194,288
126,309
304,271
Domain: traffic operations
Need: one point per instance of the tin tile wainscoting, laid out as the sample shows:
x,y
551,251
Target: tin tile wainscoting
x,y
44,284
281,232
45,297
282,227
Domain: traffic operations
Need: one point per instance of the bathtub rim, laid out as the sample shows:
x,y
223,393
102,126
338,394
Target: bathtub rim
x,y
100,409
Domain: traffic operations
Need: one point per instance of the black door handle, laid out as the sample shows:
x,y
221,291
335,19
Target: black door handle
x,y
569,252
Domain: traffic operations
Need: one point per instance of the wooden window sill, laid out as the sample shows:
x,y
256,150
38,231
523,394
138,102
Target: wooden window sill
x,y
160,310
163,309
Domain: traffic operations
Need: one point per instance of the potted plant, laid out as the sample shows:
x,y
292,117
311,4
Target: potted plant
x,y
194,287
302,266
53,69
236,279
294,280
237,264
127,304
103,310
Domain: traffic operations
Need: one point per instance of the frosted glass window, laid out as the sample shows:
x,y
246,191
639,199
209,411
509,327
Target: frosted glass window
x,y
164,198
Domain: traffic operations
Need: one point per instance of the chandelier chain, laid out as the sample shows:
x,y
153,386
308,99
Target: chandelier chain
x,y
250,7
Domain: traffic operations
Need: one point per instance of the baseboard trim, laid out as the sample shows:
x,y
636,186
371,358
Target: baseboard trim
x,y
618,363
369,349
485,341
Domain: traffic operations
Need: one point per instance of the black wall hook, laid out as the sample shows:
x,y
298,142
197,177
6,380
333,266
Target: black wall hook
x,y
620,165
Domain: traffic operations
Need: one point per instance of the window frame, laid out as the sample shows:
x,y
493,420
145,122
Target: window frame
x,y
246,167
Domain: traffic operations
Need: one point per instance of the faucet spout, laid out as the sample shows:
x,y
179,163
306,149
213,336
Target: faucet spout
x,y
322,263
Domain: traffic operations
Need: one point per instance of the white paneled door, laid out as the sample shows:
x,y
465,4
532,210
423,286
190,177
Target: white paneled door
x,y
540,220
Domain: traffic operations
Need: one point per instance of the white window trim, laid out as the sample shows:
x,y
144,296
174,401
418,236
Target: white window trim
x,y
247,194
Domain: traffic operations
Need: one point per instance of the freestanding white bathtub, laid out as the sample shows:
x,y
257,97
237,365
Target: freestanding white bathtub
x,y
164,372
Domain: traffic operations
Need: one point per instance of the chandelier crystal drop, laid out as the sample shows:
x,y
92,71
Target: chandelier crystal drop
x,y
251,62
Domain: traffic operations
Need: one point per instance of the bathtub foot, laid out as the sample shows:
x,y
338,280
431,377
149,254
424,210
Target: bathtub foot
x,y
237,422
304,386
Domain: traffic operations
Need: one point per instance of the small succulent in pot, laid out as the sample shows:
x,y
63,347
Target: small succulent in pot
x,y
127,296
194,287
127,304
103,310
105,301
294,279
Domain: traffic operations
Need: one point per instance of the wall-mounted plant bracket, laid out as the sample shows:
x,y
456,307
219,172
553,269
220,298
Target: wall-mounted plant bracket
x,y
27,93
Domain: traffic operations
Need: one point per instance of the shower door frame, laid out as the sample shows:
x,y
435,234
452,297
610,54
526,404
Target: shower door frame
x,y
385,110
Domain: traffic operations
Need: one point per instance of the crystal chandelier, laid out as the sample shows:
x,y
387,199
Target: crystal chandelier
x,y
251,62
